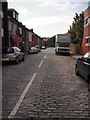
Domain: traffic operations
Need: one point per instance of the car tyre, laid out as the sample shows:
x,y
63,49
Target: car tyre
x,y
76,71
23,58
56,52
89,83
17,60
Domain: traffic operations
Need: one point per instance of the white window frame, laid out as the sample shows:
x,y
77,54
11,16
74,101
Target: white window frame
x,y
2,32
87,41
16,16
13,14
20,30
1,13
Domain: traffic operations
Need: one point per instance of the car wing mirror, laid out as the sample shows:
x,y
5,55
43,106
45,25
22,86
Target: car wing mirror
x,y
80,58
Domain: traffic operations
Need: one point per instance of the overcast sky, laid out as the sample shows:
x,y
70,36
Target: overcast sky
x,y
48,17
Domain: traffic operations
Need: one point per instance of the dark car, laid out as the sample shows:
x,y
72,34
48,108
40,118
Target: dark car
x,y
12,54
82,67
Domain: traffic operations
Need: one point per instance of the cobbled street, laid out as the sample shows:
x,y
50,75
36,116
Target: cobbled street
x,y
55,91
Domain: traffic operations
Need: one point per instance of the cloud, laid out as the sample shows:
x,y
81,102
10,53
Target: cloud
x,y
49,26
60,5
23,11
52,1
50,20
71,6
47,17
48,3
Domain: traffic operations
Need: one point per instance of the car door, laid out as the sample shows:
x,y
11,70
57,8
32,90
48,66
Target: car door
x,y
79,65
86,68
18,53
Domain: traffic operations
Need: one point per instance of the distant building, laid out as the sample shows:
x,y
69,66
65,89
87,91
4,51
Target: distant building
x,y
17,31
14,33
86,37
35,40
44,41
13,27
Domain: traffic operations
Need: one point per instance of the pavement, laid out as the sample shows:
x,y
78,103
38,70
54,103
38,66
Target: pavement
x,y
44,86
76,56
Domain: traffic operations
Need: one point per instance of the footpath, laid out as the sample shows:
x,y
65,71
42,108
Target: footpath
x,y
76,56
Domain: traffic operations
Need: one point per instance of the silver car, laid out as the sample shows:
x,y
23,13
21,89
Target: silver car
x,y
13,54
32,50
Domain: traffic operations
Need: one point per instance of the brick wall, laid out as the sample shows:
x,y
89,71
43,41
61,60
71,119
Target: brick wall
x,y
86,32
75,48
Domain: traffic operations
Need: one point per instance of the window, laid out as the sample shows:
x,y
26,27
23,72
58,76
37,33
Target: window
x,y
17,49
87,40
2,32
87,55
7,50
1,13
20,30
88,20
13,14
16,16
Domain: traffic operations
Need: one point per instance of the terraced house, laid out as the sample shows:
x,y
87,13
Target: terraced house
x,y
86,37
14,33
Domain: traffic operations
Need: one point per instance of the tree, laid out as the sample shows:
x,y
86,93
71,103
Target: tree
x,y
77,28
51,42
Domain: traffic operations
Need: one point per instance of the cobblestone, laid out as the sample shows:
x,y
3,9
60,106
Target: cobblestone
x,y
56,91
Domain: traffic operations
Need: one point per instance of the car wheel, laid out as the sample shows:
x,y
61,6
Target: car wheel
x,y
76,71
89,83
23,58
17,60
56,52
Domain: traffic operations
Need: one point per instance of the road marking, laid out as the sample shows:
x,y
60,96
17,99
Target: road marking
x,y
44,56
16,107
40,63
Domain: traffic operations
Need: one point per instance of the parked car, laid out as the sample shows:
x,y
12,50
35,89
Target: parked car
x,y
32,50
43,47
12,54
38,48
82,67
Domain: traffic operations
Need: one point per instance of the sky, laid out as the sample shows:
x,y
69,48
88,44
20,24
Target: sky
x,y
48,17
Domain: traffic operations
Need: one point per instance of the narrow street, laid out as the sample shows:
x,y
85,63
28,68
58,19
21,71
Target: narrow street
x,y
48,88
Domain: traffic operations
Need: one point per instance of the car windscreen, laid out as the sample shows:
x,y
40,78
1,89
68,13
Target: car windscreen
x,y
7,50
32,48
87,55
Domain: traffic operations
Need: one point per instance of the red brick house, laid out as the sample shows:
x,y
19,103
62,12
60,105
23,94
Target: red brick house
x,y
86,37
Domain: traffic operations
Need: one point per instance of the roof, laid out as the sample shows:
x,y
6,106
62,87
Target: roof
x,y
11,9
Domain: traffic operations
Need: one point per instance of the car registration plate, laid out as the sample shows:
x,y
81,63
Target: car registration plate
x,y
5,59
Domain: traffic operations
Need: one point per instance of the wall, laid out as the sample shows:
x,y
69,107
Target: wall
x,y
34,41
75,48
5,38
86,32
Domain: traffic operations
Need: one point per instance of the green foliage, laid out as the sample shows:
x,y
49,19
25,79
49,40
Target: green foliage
x,y
51,42
77,28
